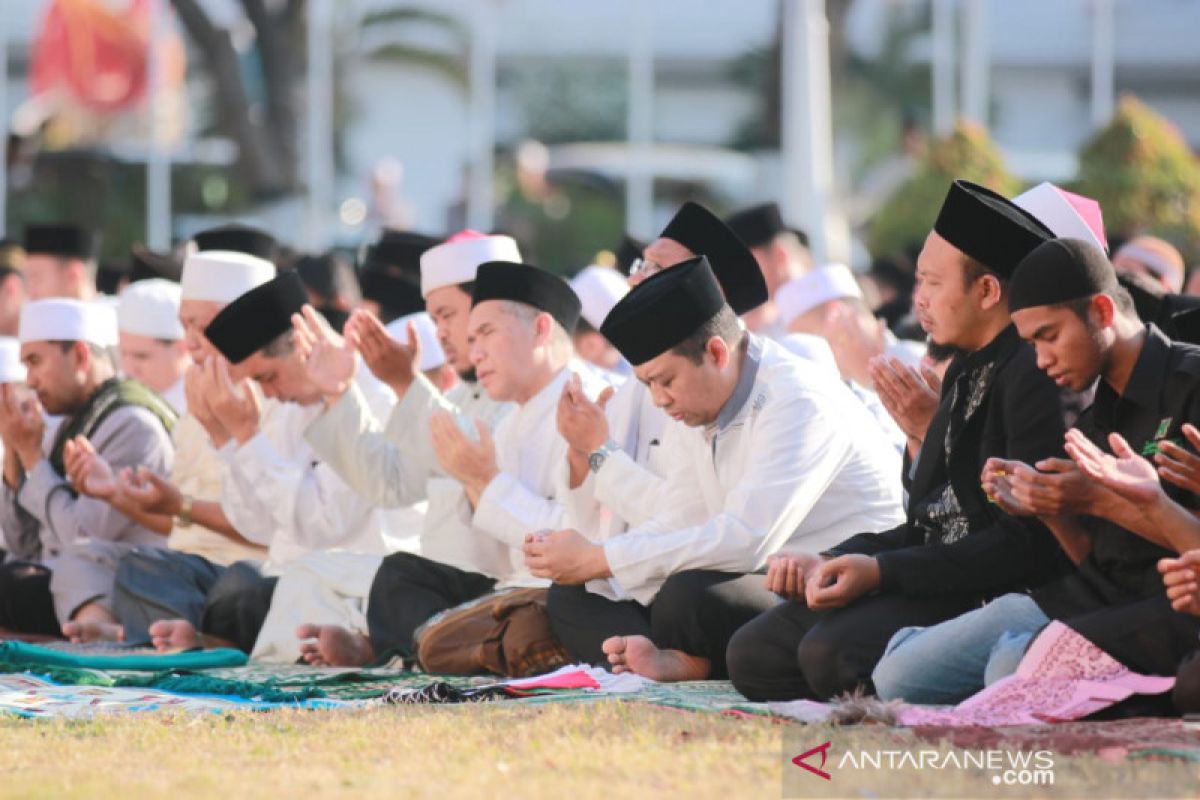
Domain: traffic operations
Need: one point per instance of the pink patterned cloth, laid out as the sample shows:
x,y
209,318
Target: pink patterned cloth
x,y
1062,677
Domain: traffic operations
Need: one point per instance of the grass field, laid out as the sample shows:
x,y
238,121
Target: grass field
x,y
604,750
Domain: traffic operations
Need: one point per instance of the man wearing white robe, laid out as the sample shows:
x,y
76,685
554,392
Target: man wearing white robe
x,y
770,460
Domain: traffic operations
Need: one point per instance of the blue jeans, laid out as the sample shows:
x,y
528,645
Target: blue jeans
x,y
951,661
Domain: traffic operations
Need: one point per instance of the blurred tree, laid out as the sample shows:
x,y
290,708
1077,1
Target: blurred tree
x,y
258,100
1145,177
907,216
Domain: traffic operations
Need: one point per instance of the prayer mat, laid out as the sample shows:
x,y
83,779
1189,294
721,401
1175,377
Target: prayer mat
x,y
36,697
1113,740
112,655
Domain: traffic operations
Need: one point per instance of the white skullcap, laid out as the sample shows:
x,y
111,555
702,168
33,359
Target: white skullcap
x,y
150,308
11,368
455,262
431,349
1067,215
830,282
222,276
62,320
599,289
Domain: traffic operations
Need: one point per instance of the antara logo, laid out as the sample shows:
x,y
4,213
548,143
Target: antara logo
x,y
823,749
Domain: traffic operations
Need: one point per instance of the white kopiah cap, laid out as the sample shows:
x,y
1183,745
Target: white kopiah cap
x,y
830,282
455,261
150,308
599,289
222,276
431,350
62,320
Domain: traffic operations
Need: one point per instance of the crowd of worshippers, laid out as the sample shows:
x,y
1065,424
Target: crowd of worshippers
x,y
712,460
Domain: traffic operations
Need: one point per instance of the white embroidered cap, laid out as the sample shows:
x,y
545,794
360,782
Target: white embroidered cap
x,y
599,289
222,276
455,261
150,308
830,282
61,320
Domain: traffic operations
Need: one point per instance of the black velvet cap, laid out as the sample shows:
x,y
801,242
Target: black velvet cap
x,y
702,232
524,283
257,318
146,263
1059,271
663,310
629,251
62,240
757,225
400,292
400,249
988,228
238,239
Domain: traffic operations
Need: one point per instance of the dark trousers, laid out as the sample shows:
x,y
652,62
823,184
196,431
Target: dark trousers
x,y
1150,637
26,605
695,611
407,591
154,584
238,603
1186,696
792,652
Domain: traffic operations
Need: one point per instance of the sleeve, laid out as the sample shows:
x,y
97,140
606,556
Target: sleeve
x,y
629,489
508,509
796,453
870,544
128,437
388,469
1010,551
306,499
19,527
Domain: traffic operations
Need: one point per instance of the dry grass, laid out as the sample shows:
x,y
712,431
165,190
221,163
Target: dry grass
x,y
604,750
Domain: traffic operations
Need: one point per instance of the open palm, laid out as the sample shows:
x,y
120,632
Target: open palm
x,y
1126,473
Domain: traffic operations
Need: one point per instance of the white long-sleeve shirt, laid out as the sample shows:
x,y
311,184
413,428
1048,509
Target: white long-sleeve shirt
x,y
784,464
398,466
523,497
275,492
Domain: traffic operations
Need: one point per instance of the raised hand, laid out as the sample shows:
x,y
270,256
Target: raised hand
x,y
235,405
149,492
909,396
1125,473
87,470
471,463
328,358
22,425
394,363
580,421
198,392
1177,465
1181,576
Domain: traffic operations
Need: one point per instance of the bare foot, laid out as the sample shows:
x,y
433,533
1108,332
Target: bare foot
x,y
174,634
334,646
639,655
79,632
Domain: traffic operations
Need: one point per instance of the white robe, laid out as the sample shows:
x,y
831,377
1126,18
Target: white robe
x,y
783,466
523,497
276,493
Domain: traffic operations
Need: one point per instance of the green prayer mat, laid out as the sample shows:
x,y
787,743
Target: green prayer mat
x,y
92,656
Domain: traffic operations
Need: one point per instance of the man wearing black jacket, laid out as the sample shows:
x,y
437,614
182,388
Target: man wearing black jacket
x,y
1065,299
956,549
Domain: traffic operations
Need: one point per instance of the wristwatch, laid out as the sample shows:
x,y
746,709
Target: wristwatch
x,y
184,518
598,456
